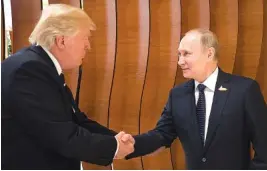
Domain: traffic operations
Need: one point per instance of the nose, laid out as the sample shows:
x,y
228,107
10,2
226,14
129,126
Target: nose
x,y
87,45
181,60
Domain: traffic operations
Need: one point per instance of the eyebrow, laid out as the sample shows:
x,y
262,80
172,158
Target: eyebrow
x,y
183,50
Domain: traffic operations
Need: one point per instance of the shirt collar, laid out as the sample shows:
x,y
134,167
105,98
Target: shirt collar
x,y
210,82
54,60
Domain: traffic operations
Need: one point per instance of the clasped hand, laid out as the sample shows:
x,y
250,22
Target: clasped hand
x,y
126,144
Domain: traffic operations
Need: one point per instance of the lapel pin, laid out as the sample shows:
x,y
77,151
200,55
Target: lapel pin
x,y
222,88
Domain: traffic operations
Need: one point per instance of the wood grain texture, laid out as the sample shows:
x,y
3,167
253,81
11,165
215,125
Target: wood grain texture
x,y
261,76
194,14
250,31
25,14
264,52
75,3
98,65
130,70
224,23
162,63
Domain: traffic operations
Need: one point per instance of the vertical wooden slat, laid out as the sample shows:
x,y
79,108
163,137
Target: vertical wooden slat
x,y
75,3
224,23
262,68
165,19
250,31
195,14
98,65
130,70
25,14
2,31
264,49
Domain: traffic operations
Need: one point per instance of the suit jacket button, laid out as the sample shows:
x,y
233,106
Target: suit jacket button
x,y
204,159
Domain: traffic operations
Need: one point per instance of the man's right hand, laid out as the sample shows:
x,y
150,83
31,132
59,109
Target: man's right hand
x,y
126,145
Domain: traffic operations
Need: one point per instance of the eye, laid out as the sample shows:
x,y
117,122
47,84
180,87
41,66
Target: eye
x,y
186,53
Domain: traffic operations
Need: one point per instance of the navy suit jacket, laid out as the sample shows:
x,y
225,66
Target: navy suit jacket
x,y
39,128
238,117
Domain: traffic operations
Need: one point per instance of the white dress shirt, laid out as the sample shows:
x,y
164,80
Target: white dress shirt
x,y
210,84
59,71
54,60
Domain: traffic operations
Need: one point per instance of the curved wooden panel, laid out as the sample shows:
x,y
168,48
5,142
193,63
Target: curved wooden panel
x,y
165,19
178,156
2,31
195,14
131,60
25,14
262,68
224,23
75,3
98,65
264,53
250,31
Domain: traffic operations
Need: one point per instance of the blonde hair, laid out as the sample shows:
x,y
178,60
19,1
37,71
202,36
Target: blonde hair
x,y
59,19
208,39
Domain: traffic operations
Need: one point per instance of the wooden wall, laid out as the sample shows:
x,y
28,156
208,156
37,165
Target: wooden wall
x,y
133,62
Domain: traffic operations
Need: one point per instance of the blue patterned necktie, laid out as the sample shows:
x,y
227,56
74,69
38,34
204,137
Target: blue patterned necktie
x,y
201,111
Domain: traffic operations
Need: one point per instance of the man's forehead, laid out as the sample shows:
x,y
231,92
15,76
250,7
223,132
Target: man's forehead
x,y
188,41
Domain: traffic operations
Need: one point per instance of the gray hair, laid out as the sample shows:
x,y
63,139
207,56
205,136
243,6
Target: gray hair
x,y
208,39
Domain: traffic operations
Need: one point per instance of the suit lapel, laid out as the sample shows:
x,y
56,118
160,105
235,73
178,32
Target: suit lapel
x,y
47,60
221,93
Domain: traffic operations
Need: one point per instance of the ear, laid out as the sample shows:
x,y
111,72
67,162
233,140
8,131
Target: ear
x,y
211,53
60,42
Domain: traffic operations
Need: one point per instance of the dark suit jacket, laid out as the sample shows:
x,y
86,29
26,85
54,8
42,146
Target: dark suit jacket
x,y
39,128
238,117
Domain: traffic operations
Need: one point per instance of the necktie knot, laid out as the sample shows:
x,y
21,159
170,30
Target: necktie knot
x,y
201,87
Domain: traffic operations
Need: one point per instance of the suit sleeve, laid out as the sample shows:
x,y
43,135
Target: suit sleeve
x,y
82,120
256,112
38,107
163,135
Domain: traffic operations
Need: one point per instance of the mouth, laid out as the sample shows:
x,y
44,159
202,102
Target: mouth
x,y
184,69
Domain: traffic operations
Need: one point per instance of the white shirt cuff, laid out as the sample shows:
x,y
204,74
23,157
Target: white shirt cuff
x,y
118,144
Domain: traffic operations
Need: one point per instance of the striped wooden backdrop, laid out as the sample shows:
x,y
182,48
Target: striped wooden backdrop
x,y
133,62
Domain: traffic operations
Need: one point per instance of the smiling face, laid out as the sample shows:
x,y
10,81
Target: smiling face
x,y
194,58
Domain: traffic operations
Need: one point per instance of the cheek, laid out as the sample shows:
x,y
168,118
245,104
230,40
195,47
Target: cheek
x,y
188,63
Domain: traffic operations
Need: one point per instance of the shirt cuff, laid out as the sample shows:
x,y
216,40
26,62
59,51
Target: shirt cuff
x,y
118,144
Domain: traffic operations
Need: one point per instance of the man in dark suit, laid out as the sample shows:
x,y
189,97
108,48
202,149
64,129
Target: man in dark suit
x,y
42,128
215,115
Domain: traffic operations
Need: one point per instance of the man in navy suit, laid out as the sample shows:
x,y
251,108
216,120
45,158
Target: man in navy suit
x,y
215,115
42,127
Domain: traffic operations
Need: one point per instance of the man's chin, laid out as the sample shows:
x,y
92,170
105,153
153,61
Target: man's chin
x,y
187,76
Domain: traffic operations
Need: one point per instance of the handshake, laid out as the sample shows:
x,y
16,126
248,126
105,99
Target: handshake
x,y
125,145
